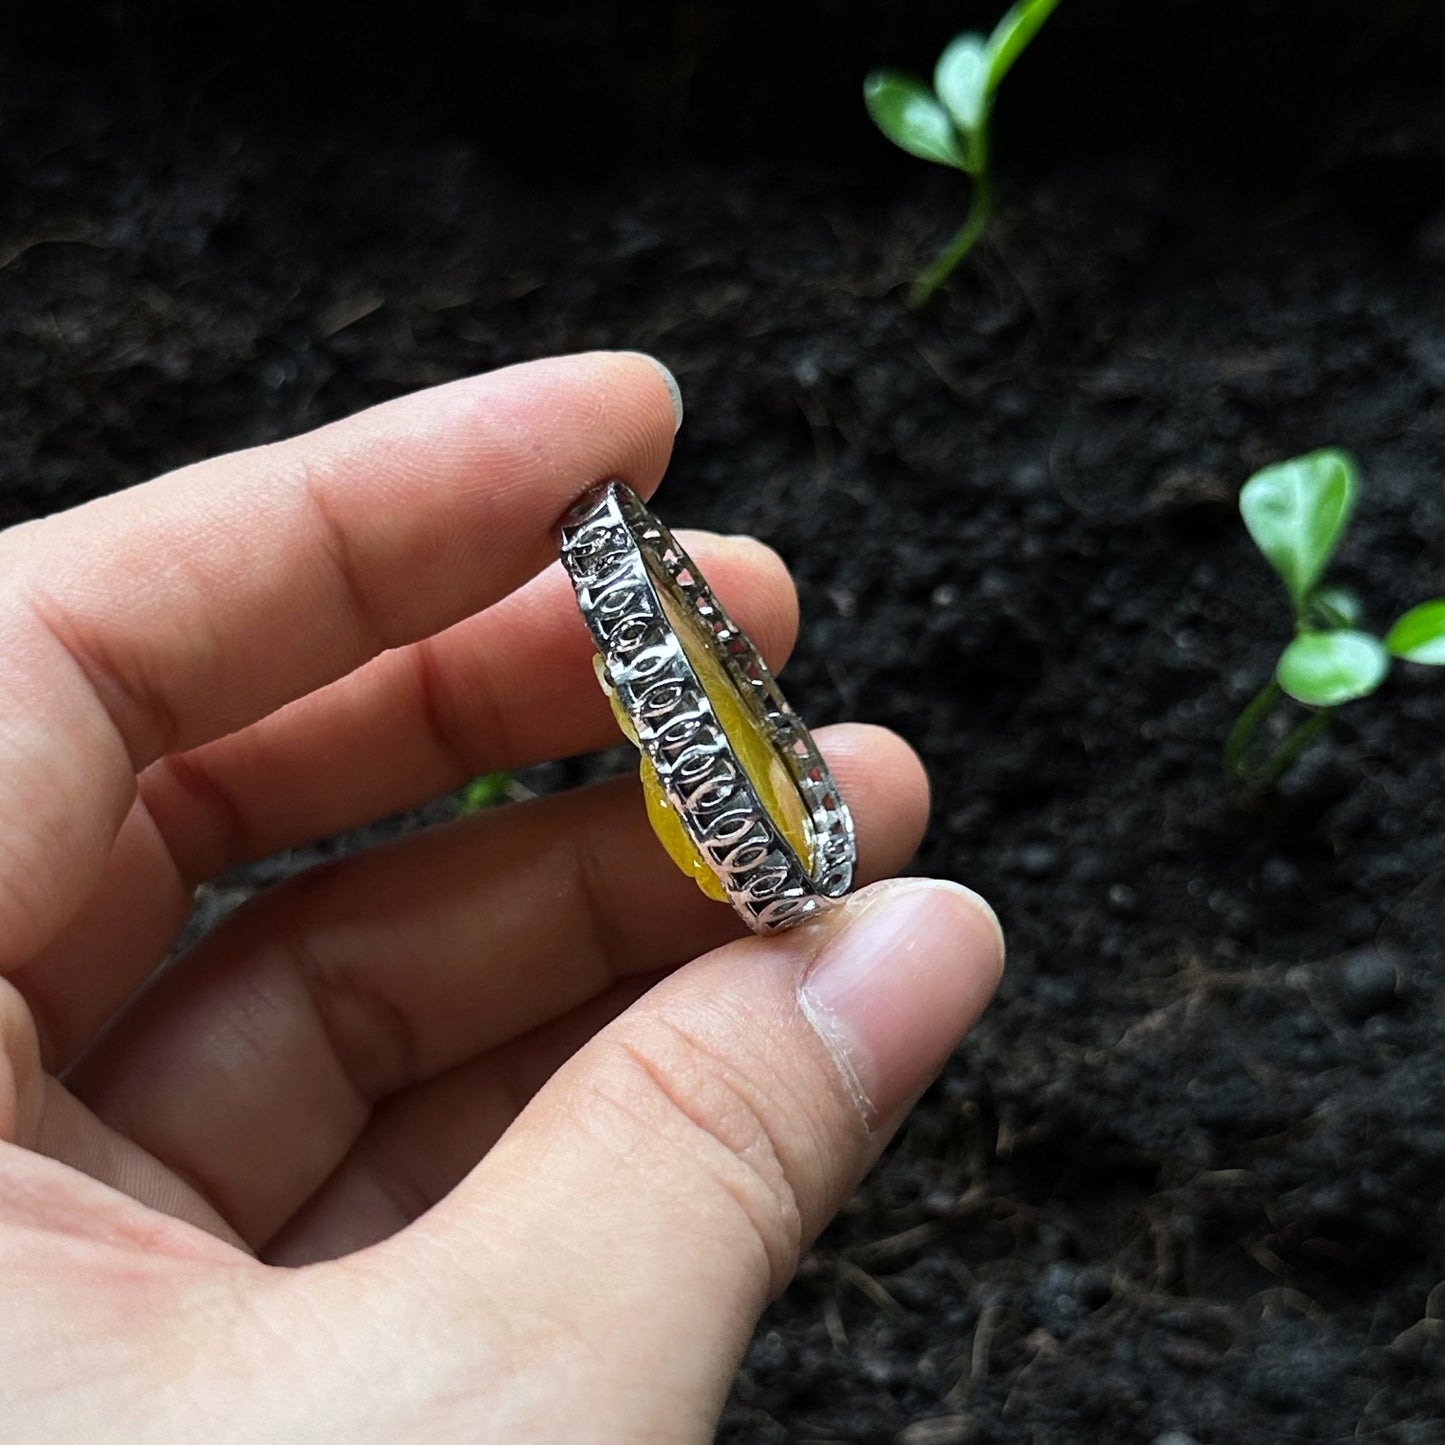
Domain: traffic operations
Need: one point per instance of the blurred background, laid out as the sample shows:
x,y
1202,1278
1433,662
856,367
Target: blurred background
x,y
1184,1183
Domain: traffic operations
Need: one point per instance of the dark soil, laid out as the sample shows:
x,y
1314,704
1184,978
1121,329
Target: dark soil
x,y
1187,1174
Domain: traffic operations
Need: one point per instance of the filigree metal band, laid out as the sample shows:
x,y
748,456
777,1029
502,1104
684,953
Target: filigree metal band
x,y
620,558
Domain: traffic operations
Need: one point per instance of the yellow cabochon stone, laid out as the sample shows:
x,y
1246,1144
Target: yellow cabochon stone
x,y
765,769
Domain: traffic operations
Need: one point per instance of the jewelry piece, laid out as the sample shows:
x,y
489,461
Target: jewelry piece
x,y
737,791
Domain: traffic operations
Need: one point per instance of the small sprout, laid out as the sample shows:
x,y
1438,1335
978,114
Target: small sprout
x,y
1297,512
949,124
485,792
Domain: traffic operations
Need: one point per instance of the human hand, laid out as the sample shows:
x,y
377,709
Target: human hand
x,y
539,1184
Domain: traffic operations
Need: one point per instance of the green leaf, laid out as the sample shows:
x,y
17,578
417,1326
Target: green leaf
x,y
1419,636
907,112
1324,669
1297,512
1332,606
1011,37
961,80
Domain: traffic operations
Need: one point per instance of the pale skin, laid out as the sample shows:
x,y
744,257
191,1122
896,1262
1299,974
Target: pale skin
x,y
502,1132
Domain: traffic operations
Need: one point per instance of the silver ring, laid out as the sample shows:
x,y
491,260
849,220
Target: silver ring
x,y
638,591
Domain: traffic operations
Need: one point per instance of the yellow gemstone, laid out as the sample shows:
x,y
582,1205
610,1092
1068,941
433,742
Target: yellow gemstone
x,y
765,769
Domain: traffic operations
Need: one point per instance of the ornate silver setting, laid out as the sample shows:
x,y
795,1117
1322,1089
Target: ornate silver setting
x,y
620,557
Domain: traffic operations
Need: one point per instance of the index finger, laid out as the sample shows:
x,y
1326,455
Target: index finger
x,y
159,618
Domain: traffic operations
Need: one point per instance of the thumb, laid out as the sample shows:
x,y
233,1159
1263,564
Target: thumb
x,y
645,1206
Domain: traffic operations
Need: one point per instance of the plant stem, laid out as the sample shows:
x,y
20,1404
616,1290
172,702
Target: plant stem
x,y
1246,725
980,212
1277,763
1280,762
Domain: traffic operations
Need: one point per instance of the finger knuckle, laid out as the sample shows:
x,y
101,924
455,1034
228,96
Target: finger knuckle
x,y
128,665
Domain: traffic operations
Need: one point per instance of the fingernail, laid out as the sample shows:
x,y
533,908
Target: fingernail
x,y
670,382
910,966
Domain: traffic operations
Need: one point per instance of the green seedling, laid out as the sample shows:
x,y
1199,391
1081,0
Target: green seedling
x,y
1297,512
949,124
484,792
